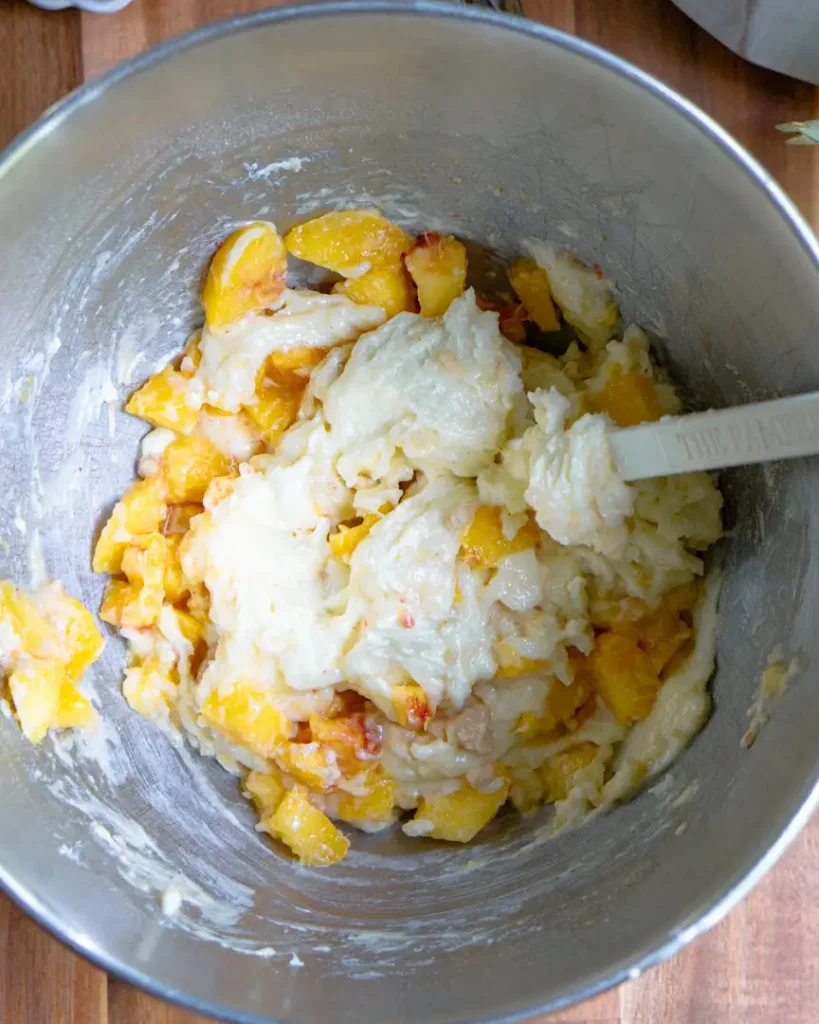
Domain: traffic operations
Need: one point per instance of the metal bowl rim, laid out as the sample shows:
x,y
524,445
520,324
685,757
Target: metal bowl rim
x,y
756,864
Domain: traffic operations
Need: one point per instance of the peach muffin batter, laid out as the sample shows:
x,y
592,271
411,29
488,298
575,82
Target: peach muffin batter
x,y
379,561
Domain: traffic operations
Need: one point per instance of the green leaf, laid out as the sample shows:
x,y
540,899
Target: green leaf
x,y
805,133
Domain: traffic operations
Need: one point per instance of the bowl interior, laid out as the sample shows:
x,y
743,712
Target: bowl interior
x,y
496,131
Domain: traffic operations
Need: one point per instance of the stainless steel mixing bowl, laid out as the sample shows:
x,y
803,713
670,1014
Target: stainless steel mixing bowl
x,y
495,129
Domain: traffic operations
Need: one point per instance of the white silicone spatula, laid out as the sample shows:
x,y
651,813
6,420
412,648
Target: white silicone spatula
x,y
762,432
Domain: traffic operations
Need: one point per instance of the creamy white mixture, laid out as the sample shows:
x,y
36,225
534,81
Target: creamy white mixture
x,y
431,419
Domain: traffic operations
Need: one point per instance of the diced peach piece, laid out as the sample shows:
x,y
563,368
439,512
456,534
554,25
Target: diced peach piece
x,y
191,355
371,812
278,396
198,603
484,542
560,770
32,632
191,628
35,685
118,595
660,631
347,538
625,616
137,604
248,718
247,273
178,519
173,580
527,789
662,637
628,399
350,242
560,705
78,639
511,317
438,267
300,357
563,701
512,665
311,763
141,510
150,688
512,324
532,287
219,488
266,790
165,401
624,677
391,288
411,705
354,739
308,832
188,466
75,710
460,816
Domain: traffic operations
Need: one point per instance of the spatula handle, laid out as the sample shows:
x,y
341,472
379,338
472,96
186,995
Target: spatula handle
x,y
764,431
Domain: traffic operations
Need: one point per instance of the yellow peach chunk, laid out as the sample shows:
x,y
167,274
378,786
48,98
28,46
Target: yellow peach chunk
x,y
512,665
150,688
118,594
511,317
661,632
628,399
188,466
75,711
278,398
527,788
371,812
353,739
173,580
35,685
135,603
532,287
300,357
198,603
141,510
191,628
662,637
459,817
391,288
308,832
350,242
247,273
78,639
144,565
560,704
624,676
484,542
311,763
347,538
165,400
31,634
437,264
247,717
266,790
412,708
192,355
559,771
178,519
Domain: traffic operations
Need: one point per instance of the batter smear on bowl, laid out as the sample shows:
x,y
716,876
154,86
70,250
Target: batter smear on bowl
x,y
379,562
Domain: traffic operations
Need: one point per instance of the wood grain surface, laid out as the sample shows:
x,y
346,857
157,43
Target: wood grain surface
x,y
760,965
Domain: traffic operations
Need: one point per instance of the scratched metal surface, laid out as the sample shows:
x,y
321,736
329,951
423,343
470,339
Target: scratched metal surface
x,y
153,171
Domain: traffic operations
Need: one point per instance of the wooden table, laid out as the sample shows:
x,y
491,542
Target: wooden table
x,y
761,965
